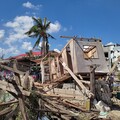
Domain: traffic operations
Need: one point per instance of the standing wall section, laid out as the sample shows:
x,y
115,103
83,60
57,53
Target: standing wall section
x,y
82,64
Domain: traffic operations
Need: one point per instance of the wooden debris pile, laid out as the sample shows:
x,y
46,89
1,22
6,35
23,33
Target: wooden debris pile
x,y
66,88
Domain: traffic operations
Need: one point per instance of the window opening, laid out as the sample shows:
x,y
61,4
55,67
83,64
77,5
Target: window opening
x,y
90,51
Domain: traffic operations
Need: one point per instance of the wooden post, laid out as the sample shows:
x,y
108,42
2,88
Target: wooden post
x,y
20,98
50,74
92,82
92,78
42,71
20,95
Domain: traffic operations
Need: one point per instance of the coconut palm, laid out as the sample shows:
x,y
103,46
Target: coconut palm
x,y
39,30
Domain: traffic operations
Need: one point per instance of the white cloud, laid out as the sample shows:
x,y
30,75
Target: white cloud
x,y
54,27
16,38
28,5
31,6
56,50
2,32
2,50
40,44
27,46
11,50
22,24
18,27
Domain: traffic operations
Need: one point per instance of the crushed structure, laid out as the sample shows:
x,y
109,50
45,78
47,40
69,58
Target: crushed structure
x,y
68,84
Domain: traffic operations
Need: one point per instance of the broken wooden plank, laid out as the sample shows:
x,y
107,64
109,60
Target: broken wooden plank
x,y
6,110
42,71
10,88
80,84
67,92
68,103
22,108
85,82
8,103
13,112
55,83
26,81
12,69
60,107
62,113
20,98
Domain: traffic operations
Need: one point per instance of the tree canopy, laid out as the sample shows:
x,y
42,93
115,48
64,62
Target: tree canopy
x,y
39,31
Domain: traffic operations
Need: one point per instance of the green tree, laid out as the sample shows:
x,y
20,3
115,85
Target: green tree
x,y
39,30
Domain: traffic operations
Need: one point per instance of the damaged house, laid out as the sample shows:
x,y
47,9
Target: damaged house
x,y
70,80
76,68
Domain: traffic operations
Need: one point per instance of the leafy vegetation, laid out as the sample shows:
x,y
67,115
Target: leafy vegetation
x,y
39,31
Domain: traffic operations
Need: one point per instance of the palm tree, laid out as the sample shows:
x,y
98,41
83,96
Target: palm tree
x,y
39,30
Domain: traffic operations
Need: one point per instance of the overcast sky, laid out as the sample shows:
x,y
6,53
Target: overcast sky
x,y
82,18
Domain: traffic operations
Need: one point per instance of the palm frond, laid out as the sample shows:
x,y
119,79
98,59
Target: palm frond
x,y
40,24
37,42
40,20
32,30
45,21
39,30
48,35
34,35
36,20
47,25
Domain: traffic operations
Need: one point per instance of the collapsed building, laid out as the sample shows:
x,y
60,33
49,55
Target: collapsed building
x,y
69,82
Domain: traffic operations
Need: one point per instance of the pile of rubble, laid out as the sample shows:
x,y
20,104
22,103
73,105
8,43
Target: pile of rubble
x,y
72,85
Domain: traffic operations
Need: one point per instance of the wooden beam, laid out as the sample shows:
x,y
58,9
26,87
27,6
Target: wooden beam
x,y
8,103
85,82
10,88
11,69
68,103
25,83
10,114
20,98
80,84
57,106
6,110
42,71
92,78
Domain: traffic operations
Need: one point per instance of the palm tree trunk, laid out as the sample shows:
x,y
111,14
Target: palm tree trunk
x,y
43,48
47,46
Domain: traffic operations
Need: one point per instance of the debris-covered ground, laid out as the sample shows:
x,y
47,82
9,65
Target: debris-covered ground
x,y
72,85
